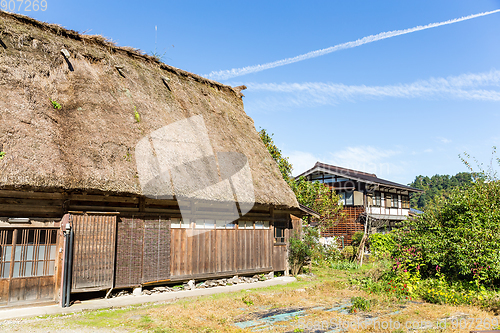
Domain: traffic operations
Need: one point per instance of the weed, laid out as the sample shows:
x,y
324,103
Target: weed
x,y
247,300
56,105
128,156
345,265
359,303
137,116
2,155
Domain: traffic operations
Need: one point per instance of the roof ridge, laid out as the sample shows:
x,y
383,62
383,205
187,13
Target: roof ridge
x,y
100,40
329,166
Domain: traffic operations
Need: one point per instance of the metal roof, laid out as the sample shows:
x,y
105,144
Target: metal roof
x,y
364,177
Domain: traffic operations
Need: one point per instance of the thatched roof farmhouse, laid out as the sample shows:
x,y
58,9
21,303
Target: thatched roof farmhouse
x,y
74,111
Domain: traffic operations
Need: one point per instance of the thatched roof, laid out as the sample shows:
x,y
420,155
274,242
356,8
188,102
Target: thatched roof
x,y
89,143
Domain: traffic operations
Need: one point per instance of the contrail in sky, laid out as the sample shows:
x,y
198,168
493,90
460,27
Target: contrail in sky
x,y
226,74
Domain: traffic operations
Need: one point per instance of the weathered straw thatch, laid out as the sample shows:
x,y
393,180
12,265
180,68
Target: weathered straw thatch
x,y
88,144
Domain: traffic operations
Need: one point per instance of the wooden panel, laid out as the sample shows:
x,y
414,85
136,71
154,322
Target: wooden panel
x,y
346,226
129,242
4,291
31,289
93,252
201,252
279,255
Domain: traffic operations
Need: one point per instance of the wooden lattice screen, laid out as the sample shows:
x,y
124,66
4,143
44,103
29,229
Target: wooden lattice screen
x,y
93,252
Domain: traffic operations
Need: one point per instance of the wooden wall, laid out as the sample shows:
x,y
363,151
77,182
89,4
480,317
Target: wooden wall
x,y
125,241
198,253
142,251
93,252
347,225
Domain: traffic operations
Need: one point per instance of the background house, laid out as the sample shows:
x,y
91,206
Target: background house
x,y
363,196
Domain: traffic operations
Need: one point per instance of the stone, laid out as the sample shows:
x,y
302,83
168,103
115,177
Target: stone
x,y
270,275
137,291
191,285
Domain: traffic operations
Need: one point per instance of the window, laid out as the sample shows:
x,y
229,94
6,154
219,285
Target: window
x,y
405,201
279,232
6,252
349,198
388,200
395,201
31,252
376,199
223,224
261,224
176,223
204,224
346,198
245,224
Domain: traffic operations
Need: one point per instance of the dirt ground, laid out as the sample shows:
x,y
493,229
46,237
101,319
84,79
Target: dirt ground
x,y
317,303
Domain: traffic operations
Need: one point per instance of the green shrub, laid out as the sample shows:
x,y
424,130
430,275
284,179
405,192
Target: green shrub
x,y
458,237
359,303
348,252
382,245
344,265
56,105
356,238
299,253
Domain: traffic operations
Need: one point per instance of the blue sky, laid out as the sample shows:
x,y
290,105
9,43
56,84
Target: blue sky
x,y
398,107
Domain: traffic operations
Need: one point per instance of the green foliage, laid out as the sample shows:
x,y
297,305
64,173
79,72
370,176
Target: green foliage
x,y
458,236
299,253
359,304
436,187
314,195
284,165
2,155
356,238
382,245
246,299
345,265
303,248
137,116
56,105
318,197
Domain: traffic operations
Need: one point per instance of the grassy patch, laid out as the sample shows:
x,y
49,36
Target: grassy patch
x,y
329,294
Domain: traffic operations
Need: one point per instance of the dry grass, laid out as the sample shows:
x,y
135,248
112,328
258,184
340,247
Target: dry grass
x,y
220,313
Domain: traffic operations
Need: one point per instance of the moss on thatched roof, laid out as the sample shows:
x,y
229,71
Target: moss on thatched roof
x,y
72,124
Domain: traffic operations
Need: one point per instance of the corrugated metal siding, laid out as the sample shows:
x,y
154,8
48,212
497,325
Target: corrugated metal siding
x,y
93,252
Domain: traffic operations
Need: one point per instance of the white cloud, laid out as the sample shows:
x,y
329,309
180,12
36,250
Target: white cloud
x,y
462,87
444,140
227,74
362,158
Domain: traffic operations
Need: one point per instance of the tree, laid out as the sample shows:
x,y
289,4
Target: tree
x,y
315,195
458,235
283,164
320,198
436,187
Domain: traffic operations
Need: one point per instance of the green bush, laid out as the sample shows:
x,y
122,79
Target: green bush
x,y
349,252
359,303
344,265
298,255
458,237
382,245
356,238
